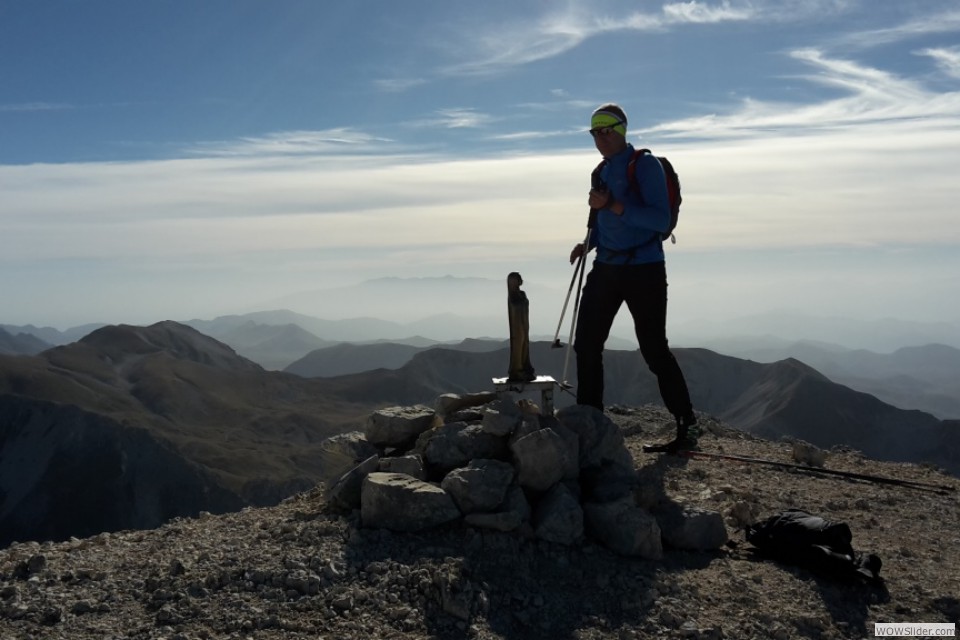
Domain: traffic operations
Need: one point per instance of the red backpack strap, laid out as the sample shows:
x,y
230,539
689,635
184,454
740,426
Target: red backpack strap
x,y
632,167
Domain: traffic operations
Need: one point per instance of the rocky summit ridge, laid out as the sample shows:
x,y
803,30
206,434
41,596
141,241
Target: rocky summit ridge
x,y
313,567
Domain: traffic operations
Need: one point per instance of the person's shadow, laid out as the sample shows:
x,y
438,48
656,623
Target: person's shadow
x,y
523,587
847,599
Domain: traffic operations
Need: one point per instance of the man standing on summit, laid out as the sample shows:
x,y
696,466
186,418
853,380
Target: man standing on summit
x,y
629,218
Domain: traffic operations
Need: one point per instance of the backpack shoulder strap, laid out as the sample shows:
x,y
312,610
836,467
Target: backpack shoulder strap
x,y
595,180
632,167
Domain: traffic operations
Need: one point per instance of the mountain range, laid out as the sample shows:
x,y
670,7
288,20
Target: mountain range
x,y
131,426
922,376
925,377
477,305
774,400
346,358
479,302
21,343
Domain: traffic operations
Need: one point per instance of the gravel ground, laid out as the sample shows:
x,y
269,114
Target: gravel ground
x,y
298,571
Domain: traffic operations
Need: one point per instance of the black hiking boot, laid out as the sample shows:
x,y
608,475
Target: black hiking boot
x,y
688,434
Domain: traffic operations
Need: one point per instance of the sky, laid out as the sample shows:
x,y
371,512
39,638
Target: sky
x,y
178,159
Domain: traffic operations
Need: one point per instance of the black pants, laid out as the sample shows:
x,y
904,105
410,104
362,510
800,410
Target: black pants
x,y
644,288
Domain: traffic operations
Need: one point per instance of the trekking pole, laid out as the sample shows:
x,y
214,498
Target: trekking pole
x,y
573,317
582,268
913,484
556,337
595,183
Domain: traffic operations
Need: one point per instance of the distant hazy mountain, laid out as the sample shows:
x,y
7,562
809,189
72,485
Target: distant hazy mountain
x,y
879,335
21,344
273,346
409,299
347,358
278,338
440,327
330,331
50,335
784,398
483,300
924,377
444,308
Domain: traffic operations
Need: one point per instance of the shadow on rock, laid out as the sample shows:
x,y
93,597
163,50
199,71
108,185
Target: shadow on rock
x,y
521,588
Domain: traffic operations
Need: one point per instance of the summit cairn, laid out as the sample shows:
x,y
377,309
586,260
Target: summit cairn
x,y
492,462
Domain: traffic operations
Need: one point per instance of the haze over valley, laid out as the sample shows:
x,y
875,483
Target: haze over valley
x,y
911,365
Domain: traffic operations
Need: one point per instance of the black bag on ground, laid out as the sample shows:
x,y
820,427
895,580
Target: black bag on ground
x,y
797,537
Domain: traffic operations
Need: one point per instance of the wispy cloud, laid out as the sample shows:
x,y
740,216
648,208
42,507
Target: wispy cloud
x,y
463,118
499,48
537,135
527,40
35,106
397,85
926,24
701,12
336,140
870,95
947,59
517,47
454,118
875,85
557,105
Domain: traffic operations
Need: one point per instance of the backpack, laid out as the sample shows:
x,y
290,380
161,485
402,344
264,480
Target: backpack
x,y
797,537
673,186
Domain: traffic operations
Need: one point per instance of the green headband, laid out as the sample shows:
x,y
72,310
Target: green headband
x,y
603,119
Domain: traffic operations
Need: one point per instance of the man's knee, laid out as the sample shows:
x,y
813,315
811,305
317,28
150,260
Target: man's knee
x,y
589,358
659,359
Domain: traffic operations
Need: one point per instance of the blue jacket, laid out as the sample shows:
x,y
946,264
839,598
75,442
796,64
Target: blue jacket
x,y
635,236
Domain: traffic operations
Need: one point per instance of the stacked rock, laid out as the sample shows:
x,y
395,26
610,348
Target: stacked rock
x,y
498,463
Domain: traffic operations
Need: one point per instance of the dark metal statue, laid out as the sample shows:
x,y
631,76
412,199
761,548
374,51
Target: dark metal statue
x,y
518,312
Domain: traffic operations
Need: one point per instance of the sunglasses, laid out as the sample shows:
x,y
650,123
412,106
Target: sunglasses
x,y
605,131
